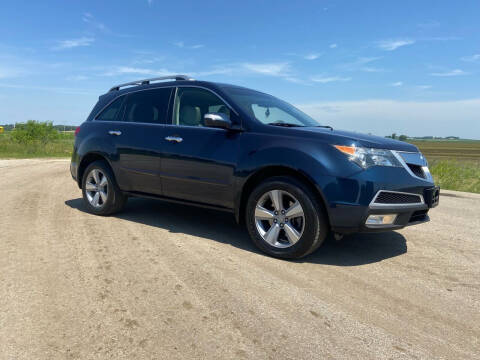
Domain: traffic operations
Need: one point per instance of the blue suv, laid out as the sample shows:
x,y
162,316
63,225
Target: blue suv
x,y
291,180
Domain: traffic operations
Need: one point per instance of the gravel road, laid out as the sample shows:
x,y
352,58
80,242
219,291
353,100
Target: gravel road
x,y
163,281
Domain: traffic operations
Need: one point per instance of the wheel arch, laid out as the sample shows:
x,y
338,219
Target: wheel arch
x,y
271,171
86,160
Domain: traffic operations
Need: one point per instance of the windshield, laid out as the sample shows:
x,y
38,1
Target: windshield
x,y
268,109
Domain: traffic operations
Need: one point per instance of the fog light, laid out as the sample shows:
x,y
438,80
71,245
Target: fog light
x,y
378,220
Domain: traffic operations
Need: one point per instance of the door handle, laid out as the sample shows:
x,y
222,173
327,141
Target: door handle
x,y
115,132
174,139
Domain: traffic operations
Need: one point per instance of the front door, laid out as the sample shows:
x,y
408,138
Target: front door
x,y
199,162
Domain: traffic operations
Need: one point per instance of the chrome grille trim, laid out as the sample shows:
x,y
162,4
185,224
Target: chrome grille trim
x,y
374,204
428,177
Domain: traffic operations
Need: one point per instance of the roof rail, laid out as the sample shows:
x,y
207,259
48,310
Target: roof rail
x,y
148,81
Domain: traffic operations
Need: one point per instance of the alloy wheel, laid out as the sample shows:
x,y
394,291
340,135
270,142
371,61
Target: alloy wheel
x,y
279,218
96,188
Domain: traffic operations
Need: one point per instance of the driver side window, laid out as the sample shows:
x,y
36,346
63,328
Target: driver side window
x,y
191,105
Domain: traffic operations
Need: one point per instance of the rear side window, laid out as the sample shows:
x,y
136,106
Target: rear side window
x,y
148,106
112,111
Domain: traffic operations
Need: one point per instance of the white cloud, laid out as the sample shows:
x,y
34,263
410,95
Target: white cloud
x,y
273,69
390,45
181,45
311,56
360,65
123,70
455,72
333,46
413,118
73,43
90,19
471,58
424,87
397,84
372,69
218,70
328,79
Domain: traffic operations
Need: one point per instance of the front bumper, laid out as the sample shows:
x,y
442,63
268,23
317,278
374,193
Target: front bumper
x,y
349,200
405,214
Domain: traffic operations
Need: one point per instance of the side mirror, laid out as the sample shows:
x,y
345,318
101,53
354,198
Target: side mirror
x,y
217,120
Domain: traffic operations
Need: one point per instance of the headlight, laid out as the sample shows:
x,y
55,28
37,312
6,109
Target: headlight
x,y
366,157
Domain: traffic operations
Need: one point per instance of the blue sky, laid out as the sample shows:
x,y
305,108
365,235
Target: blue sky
x,y
371,66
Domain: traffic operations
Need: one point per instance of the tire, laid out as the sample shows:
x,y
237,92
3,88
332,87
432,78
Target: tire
x,y
311,228
110,200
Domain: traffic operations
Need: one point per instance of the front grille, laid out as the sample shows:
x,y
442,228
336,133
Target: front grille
x,y
388,197
417,170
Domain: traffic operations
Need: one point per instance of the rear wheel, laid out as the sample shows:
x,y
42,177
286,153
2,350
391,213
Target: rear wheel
x,y
284,218
100,191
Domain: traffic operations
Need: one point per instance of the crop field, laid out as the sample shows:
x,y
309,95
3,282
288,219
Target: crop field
x,y
455,165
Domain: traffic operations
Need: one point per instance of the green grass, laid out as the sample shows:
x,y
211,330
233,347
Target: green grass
x,y
61,147
455,165
456,175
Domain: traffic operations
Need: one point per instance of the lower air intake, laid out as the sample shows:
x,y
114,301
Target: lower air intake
x,y
390,197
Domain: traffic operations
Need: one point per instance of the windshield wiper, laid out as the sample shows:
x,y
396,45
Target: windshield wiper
x,y
325,126
284,124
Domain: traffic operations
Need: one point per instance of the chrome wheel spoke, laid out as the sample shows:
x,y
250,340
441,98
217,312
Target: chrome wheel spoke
x,y
104,180
96,176
95,199
271,235
292,234
90,187
263,214
294,211
103,195
276,197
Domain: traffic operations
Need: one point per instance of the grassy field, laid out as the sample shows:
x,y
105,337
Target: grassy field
x,y
455,165
61,147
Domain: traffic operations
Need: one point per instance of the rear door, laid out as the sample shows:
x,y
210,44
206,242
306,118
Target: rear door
x,y
199,162
138,140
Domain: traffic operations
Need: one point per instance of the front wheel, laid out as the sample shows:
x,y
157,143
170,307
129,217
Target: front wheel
x,y
284,218
100,191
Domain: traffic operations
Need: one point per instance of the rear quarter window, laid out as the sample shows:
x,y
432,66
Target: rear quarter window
x,y
112,112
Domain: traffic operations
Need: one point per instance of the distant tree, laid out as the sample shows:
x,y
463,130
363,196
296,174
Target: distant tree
x,y
403,137
34,131
394,136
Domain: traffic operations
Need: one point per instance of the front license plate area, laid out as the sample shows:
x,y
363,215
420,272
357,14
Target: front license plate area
x,y
432,196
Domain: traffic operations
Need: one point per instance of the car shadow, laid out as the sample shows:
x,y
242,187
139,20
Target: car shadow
x,y
353,250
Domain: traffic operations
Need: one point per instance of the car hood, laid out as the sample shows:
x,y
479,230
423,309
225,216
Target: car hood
x,y
342,137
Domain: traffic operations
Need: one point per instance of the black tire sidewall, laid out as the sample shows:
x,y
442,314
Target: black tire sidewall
x,y
315,225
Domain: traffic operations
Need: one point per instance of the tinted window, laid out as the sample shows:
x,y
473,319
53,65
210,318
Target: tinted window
x,y
148,106
112,111
191,104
